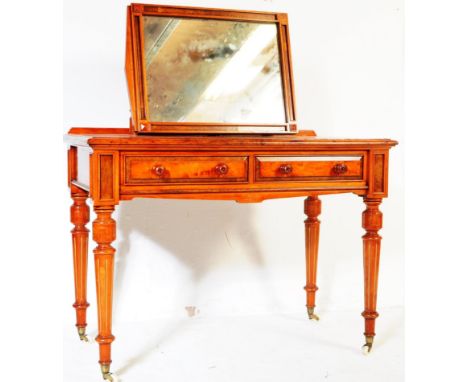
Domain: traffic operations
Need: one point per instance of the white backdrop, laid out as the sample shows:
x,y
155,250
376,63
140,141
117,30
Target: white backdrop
x,y
239,259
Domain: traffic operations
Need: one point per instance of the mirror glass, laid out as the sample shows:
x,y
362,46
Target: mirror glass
x,y
215,71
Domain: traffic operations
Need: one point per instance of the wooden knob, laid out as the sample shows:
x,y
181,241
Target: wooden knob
x,y
340,168
285,169
159,170
222,169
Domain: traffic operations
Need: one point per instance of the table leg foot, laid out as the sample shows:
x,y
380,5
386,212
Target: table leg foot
x,y
82,334
106,374
367,347
312,315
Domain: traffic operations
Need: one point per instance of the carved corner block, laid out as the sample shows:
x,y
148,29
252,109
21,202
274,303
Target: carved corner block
x,y
104,186
378,174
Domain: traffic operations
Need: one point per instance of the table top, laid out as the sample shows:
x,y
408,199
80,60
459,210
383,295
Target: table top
x,y
121,137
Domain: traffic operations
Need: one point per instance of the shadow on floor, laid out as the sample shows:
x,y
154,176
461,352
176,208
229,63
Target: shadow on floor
x,y
193,232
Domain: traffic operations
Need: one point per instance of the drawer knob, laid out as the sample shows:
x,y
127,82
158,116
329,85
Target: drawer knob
x,y
159,170
340,168
285,169
222,169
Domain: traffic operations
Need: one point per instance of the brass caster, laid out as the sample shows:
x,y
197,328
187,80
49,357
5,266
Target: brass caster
x,y
366,349
312,316
82,334
107,375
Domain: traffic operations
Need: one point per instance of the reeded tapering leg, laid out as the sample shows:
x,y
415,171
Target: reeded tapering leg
x,y
79,216
104,232
371,222
312,208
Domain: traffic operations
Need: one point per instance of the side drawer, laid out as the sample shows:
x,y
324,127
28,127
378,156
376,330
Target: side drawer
x,y
151,169
308,168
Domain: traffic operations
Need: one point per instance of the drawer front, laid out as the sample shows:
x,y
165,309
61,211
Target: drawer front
x,y
141,169
308,168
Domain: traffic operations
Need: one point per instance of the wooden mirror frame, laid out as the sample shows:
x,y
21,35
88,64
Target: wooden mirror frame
x,y
136,77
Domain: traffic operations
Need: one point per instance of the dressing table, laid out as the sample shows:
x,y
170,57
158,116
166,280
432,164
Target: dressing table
x,y
213,117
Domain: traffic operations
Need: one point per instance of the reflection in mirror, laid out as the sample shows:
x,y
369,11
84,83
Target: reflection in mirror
x,y
218,71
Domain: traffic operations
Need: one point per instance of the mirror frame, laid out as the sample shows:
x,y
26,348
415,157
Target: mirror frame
x,y
134,70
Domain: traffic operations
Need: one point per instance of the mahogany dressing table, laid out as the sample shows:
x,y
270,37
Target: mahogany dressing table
x,y
192,137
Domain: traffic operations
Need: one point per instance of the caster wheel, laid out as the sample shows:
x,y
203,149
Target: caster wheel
x,y
312,315
368,345
110,377
85,339
366,349
83,336
107,375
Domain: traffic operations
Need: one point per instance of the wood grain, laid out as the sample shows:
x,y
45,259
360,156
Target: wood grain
x,y
303,168
104,232
372,223
312,209
147,168
125,166
184,161
79,216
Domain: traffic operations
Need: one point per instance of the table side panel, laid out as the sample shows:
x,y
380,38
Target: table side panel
x,y
79,168
83,166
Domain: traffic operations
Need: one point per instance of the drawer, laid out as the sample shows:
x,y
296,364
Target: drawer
x,y
151,169
308,168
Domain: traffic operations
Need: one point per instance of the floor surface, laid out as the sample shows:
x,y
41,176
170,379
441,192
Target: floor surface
x,y
273,348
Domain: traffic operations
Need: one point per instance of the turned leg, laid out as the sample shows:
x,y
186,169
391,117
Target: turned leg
x,y
312,208
79,216
104,234
371,222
